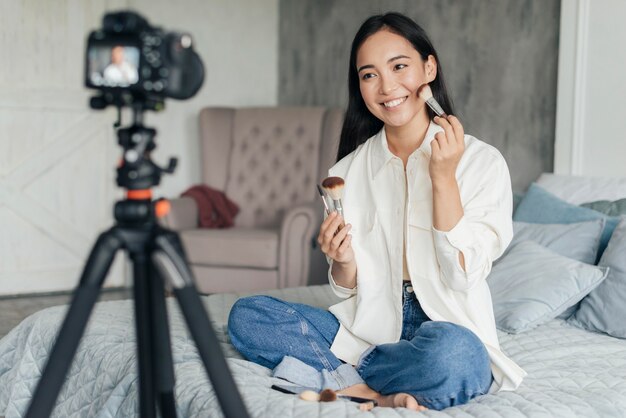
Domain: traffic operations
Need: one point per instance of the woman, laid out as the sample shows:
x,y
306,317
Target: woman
x,y
428,211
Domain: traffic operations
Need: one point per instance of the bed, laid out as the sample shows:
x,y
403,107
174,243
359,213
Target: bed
x,y
575,368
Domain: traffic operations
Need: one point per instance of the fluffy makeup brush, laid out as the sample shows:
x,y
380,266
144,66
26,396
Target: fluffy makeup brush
x,y
426,94
334,188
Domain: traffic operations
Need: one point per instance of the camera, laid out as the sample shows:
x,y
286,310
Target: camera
x,y
131,62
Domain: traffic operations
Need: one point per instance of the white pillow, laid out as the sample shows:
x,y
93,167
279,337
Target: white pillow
x,y
582,189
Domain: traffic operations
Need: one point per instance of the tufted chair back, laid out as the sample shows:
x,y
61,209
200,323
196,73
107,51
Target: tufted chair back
x,y
265,159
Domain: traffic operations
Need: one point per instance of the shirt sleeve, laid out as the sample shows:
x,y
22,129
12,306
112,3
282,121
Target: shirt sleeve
x,y
340,291
483,232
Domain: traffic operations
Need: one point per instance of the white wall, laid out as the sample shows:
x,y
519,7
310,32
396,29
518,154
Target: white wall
x,y
57,156
591,100
238,42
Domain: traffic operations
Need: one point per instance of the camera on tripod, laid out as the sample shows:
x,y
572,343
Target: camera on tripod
x,y
137,65
132,62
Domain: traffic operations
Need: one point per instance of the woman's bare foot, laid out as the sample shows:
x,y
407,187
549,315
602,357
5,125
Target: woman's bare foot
x,y
400,400
397,400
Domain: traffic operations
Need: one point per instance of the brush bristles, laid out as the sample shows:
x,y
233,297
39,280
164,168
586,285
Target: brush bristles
x,y
328,395
309,395
424,92
335,193
331,182
334,187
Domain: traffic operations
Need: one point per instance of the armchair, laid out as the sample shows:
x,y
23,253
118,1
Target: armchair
x,y
267,160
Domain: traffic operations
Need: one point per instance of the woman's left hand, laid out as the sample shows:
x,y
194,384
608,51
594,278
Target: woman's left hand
x,y
447,149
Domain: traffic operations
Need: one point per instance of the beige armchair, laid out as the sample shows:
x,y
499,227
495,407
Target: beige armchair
x,y
268,161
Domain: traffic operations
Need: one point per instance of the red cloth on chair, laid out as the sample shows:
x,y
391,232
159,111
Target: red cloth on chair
x,y
215,210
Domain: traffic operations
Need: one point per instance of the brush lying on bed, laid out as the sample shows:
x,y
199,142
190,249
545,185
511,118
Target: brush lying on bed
x,y
327,395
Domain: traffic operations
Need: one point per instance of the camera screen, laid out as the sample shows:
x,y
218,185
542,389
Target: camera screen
x,y
113,65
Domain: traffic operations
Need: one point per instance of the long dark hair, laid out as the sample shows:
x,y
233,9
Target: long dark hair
x,y
359,124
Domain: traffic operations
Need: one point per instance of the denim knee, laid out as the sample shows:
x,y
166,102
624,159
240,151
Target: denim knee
x,y
458,345
244,313
248,308
462,359
265,330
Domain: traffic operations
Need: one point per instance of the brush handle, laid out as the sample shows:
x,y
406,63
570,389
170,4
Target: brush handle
x,y
326,208
339,210
323,196
434,105
357,399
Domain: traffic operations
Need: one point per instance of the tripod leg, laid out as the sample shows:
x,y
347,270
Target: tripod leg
x,y
74,324
163,364
143,328
169,258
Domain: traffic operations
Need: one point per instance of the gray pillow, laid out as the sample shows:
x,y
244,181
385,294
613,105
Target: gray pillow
x,y
604,309
542,207
611,208
532,285
579,240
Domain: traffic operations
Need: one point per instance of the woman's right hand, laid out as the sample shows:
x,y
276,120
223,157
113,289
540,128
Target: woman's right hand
x,y
335,242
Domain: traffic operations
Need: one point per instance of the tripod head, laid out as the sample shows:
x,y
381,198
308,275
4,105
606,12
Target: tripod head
x,y
137,173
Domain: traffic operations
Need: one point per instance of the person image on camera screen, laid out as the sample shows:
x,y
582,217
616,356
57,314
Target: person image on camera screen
x,y
120,72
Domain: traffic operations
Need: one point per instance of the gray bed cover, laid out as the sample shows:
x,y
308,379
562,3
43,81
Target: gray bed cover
x,y
572,372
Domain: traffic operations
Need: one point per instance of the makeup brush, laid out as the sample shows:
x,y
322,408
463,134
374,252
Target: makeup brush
x,y
319,189
326,395
426,94
329,395
334,188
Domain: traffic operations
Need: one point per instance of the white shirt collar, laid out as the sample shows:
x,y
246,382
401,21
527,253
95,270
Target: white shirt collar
x,y
381,155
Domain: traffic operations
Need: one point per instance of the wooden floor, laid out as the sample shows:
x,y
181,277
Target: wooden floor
x,y
14,309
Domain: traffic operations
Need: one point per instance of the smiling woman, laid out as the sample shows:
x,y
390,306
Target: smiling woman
x,y
431,209
390,72
409,61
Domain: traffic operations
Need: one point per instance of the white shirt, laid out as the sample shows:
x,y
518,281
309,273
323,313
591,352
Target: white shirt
x,y
120,75
377,195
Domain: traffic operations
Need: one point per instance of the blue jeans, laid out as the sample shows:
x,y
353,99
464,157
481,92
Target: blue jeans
x,y
439,363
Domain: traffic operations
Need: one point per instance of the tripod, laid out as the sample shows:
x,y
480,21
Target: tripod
x,y
157,255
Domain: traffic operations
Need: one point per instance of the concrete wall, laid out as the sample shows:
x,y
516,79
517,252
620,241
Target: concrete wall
x,y
499,59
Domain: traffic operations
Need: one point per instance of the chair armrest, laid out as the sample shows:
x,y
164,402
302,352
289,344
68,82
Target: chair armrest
x,y
298,227
183,214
